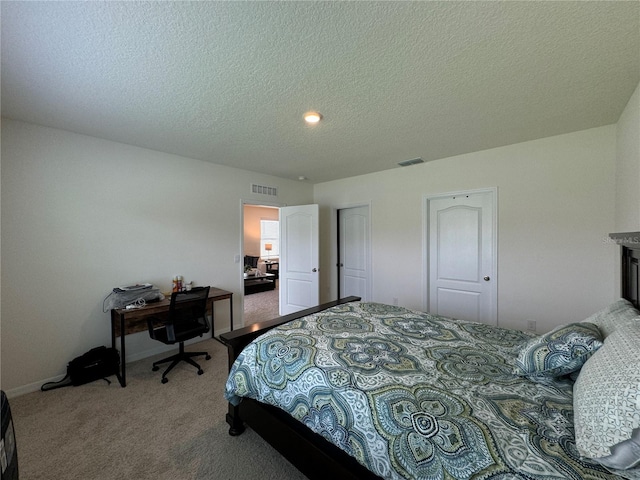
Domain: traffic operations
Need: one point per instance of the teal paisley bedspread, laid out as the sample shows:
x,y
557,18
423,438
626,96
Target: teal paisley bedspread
x,y
413,395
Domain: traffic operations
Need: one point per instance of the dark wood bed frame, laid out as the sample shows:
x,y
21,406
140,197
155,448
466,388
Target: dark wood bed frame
x,y
314,456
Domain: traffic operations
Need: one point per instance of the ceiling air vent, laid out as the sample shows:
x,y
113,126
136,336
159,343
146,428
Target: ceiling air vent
x,y
264,190
414,161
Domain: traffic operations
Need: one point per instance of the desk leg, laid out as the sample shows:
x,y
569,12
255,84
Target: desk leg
x,y
121,371
123,380
213,334
230,317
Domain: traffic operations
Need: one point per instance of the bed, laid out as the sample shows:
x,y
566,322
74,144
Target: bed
x,y
363,390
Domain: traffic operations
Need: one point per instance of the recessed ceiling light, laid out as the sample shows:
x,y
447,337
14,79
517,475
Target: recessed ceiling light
x,y
312,117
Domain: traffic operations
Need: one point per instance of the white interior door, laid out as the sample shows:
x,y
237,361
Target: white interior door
x,y
354,266
462,240
299,258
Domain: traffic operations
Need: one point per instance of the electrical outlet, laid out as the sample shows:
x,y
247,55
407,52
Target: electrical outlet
x,y
395,301
531,325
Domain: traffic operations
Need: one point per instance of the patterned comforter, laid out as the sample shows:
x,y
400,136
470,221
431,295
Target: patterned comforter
x,y
413,395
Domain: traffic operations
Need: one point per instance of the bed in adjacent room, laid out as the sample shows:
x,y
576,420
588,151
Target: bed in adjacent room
x,y
357,389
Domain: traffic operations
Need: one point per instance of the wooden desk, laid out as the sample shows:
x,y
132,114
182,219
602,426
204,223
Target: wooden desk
x,y
135,320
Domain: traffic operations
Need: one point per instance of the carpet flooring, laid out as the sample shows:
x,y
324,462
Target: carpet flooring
x,y
262,306
146,431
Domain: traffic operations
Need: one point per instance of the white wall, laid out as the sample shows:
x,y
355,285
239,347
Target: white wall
x,y
82,215
555,208
628,167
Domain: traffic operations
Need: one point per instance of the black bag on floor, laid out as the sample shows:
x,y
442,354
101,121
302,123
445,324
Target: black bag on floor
x,y
97,363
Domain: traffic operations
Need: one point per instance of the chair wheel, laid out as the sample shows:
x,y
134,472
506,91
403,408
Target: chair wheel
x,y
165,379
155,368
200,372
208,357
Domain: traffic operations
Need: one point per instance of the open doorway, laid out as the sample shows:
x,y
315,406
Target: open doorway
x,y
261,245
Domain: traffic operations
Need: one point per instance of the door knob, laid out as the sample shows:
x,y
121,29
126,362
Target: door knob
x,y
486,279
314,270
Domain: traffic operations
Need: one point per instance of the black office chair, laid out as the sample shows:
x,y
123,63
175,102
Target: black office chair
x,y
187,319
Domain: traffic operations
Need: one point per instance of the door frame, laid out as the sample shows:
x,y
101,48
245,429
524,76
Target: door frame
x,y
426,199
369,278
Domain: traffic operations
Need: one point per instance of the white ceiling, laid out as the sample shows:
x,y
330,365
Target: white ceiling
x,y
228,82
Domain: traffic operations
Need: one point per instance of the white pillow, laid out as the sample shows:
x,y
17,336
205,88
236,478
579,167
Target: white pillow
x,y
606,401
613,316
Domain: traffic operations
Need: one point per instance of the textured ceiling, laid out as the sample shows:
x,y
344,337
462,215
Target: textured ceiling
x,y
228,82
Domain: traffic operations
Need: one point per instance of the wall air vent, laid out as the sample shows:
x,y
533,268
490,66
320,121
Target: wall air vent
x,y
414,161
264,190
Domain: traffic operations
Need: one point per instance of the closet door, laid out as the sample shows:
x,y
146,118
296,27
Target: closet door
x,y
462,251
354,266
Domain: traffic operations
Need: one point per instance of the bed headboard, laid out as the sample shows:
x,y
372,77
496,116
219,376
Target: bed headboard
x,y
630,258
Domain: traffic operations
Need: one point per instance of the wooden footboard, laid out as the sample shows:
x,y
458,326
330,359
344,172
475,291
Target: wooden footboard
x,y
236,340
309,452
240,338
